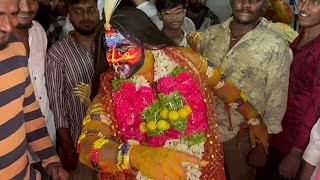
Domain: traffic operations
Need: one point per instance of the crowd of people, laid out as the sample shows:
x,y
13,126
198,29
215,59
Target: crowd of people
x,y
159,89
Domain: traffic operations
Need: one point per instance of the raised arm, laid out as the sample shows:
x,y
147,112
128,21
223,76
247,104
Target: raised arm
x,y
222,86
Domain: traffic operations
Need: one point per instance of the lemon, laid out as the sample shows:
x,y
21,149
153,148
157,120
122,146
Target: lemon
x,y
142,127
151,125
163,125
164,113
183,113
188,108
173,115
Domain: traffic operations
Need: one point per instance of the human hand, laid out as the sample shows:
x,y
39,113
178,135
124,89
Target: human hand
x,y
290,164
83,91
160,163
69,160
307,170
259,133
66,149
257,157
56,172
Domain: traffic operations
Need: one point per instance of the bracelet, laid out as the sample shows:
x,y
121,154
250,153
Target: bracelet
x,y
94,154
123,156
242,99
96,117
128,156
88,133
222,81
255,121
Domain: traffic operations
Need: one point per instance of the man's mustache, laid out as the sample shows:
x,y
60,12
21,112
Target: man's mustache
x,y
86,22
26,13
245,11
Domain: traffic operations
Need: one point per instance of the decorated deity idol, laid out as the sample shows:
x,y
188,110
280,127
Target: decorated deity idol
x,y
153,116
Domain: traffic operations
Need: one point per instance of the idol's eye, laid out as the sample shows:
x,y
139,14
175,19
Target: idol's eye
x,y
124,47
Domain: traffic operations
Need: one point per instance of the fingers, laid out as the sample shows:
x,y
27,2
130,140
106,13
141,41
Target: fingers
x,y
286,173
54,174
252,138
185,157
171,174
180,171
160,176
265,146
82,87
80,93
286,170
63,175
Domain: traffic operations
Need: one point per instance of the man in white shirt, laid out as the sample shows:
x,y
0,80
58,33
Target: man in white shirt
x,y
311,155
34,39
149,8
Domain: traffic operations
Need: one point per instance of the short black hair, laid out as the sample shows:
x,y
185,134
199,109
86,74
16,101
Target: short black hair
x,y
71,2
169,4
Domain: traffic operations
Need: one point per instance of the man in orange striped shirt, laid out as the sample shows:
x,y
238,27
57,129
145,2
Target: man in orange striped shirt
x,y
21,121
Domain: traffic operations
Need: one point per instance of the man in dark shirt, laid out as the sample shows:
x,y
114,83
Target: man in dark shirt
x,y
201,15
69,62
21,121
303,107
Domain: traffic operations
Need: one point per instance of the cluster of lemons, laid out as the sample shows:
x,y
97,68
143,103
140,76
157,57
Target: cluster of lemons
x,y
166,116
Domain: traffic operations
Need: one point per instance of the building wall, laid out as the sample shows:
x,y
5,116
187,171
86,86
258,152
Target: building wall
x,y
221,8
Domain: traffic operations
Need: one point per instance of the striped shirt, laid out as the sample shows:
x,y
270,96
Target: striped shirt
x,y
68,63
21,121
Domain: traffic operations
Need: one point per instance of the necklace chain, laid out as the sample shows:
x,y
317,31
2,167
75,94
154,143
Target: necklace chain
x,y
233,37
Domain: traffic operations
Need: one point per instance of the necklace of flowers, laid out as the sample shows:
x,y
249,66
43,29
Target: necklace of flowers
x,y
172,110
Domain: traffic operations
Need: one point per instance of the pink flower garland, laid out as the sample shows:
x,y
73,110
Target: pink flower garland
x,y
187,87
129,103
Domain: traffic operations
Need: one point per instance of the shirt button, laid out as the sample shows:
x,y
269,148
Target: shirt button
x,y
40,98
35,78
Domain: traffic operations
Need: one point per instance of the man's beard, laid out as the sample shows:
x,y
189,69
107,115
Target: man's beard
x,y
196,7
3,45
24,26
85,32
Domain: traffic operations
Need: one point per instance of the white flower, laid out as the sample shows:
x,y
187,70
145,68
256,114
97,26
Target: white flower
x,y
139,81
234,105
209,72
219,85
163,65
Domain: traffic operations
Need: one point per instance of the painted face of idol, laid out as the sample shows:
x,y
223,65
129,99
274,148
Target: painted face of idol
x,y
124,56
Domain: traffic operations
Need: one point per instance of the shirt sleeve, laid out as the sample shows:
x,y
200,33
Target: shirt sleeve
x,y
148,8
284,30
305,124
36,131
188,25
55,86
312,152
278,71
